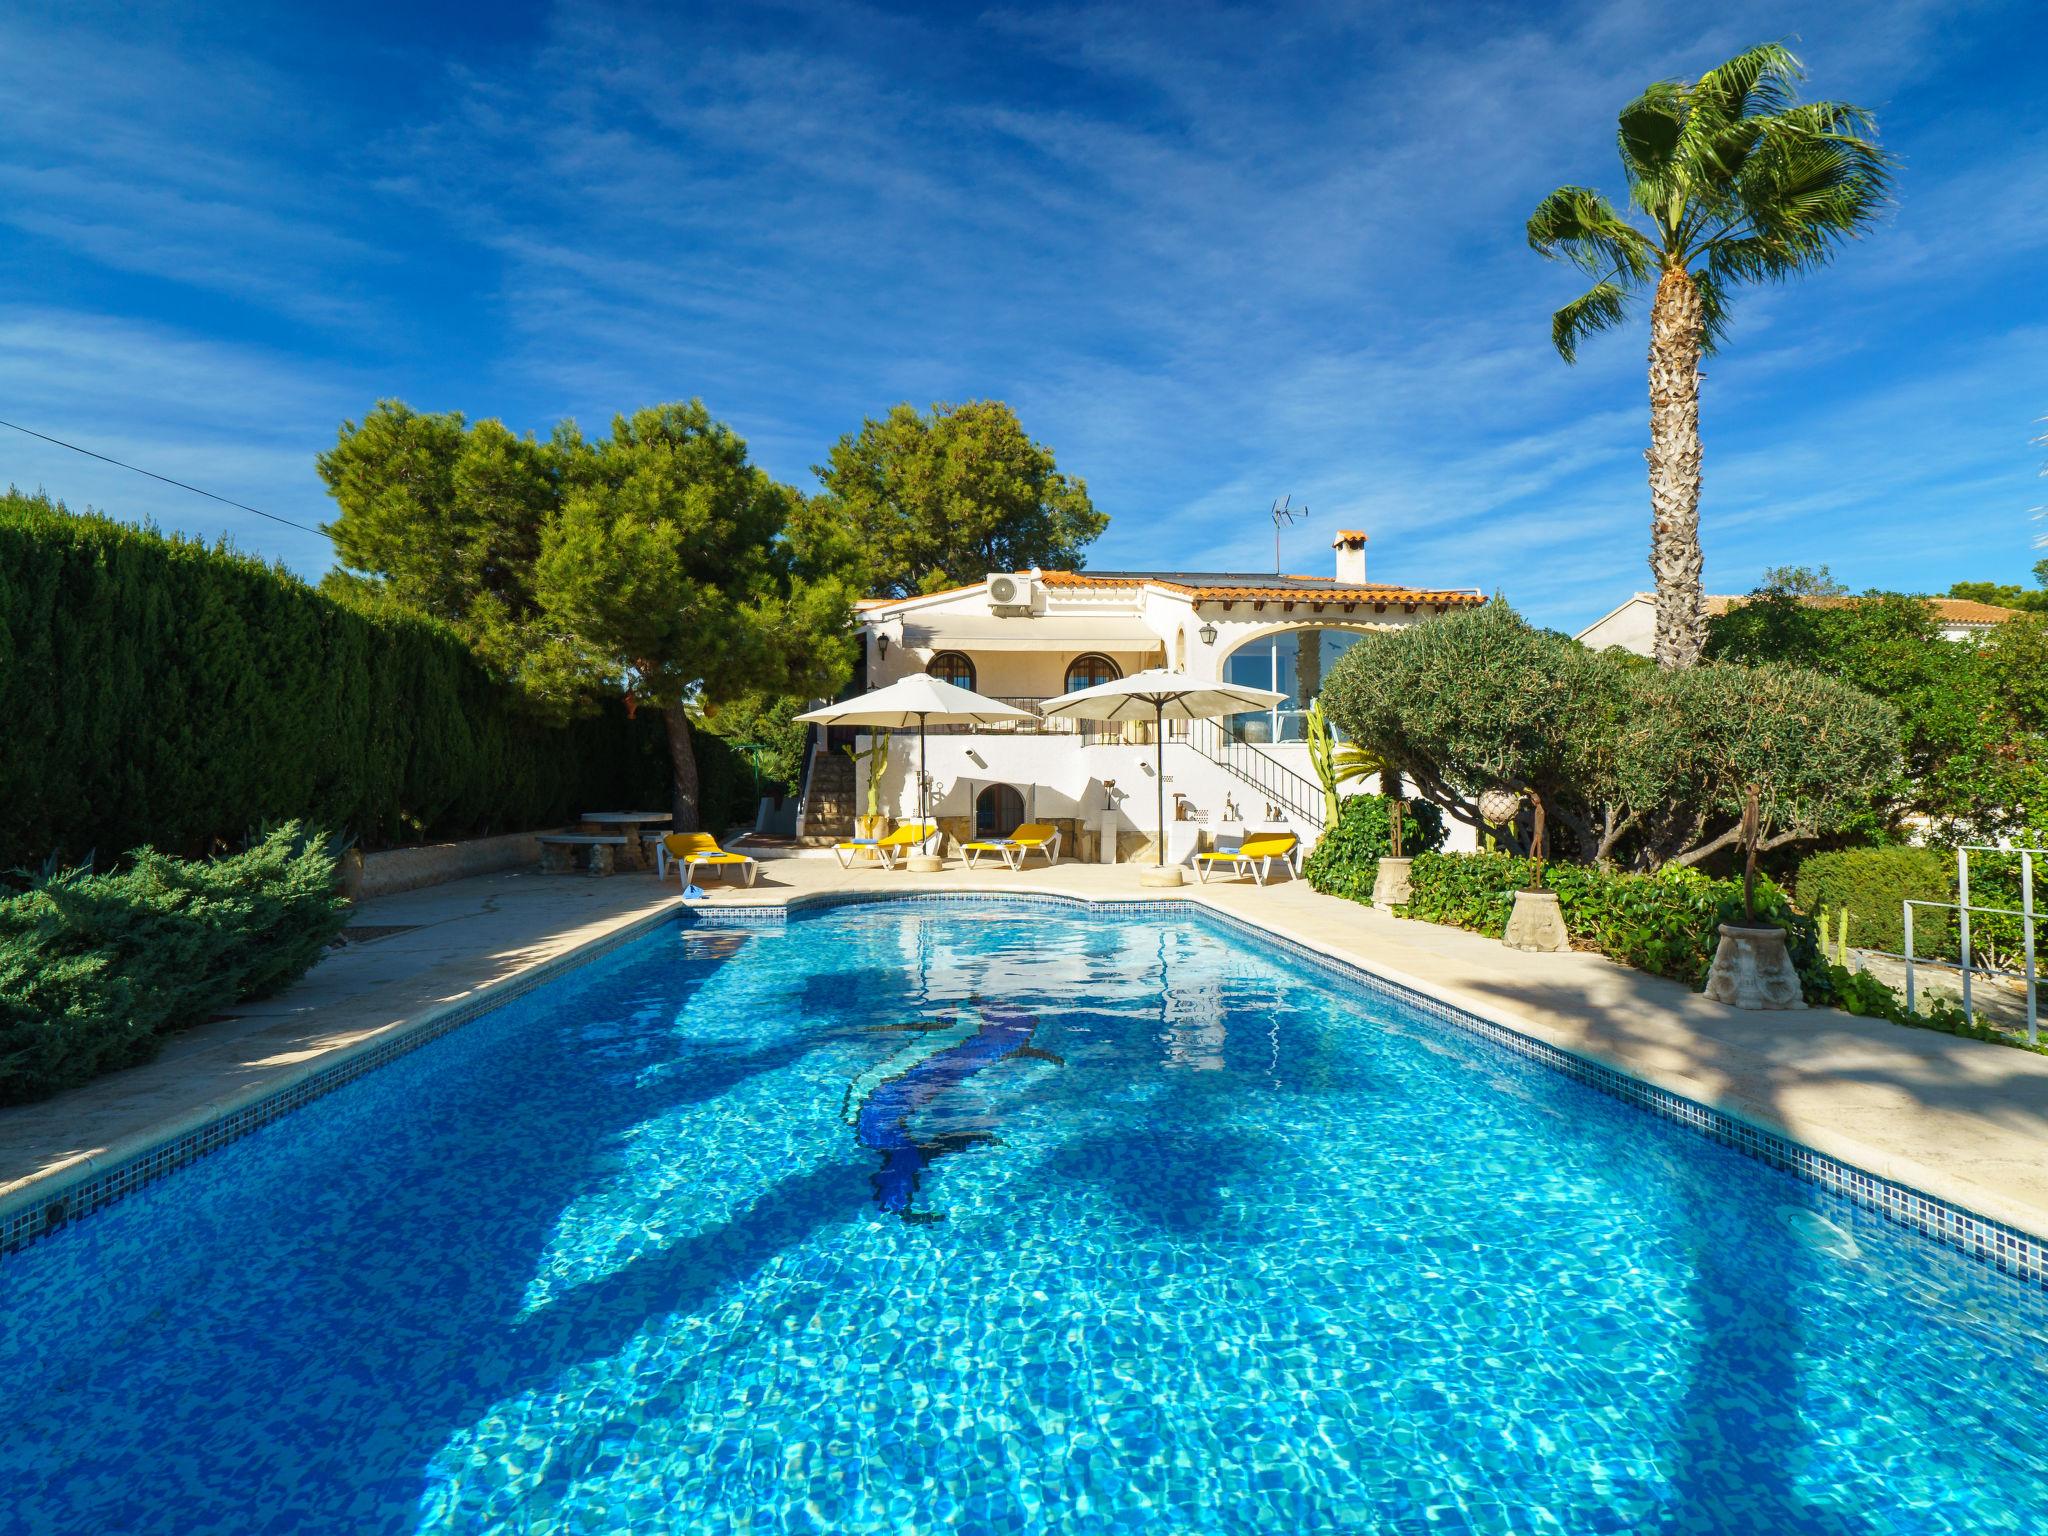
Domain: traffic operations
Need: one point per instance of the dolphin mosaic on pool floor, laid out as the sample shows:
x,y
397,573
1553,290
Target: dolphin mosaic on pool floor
x,y
1228,1239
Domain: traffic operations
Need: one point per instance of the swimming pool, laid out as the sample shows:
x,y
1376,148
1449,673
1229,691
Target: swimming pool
x,y
969,1217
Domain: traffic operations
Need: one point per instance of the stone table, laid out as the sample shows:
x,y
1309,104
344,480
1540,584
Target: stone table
x,y
632,823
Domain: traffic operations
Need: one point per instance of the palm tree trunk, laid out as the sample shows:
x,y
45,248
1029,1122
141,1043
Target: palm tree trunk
x,y
682,756
1677,325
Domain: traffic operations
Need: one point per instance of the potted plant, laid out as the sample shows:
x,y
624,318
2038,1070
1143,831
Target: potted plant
x,y
1752,968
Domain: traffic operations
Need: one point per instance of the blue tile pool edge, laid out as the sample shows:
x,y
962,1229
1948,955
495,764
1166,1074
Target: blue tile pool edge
x,y
48,1204
2006,1249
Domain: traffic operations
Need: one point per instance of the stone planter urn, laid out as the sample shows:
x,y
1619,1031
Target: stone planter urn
x,y
1537,924
1752,969
1390,886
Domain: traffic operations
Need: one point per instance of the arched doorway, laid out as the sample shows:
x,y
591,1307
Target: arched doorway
x,y
998,811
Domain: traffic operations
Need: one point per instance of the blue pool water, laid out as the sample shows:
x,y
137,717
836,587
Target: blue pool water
x,y
1139,1228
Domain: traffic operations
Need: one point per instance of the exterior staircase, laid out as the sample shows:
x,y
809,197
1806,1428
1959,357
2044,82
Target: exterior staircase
x,y
830,796
1273,781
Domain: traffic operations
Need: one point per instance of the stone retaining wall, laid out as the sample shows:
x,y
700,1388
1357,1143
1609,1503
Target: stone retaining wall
x,y
408,869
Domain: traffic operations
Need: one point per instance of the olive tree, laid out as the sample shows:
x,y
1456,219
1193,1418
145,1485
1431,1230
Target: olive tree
x,y
1480,700
1642,765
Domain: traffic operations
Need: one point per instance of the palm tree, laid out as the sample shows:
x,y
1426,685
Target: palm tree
x,y
1731,180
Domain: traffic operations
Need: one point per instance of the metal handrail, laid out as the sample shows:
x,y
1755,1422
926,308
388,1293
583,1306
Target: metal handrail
x,y
1280,784
1963,908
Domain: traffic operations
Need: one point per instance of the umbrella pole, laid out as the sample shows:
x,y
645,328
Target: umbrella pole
x,y
920,769
1159,771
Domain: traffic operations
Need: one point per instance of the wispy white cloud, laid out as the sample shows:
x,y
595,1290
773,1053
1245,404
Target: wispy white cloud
x,y
239,421
1211,255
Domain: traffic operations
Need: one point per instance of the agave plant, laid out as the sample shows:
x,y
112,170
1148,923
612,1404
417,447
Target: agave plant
x,y
1731,180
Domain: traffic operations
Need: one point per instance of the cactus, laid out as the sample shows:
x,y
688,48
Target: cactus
x,y
877,757
1335,763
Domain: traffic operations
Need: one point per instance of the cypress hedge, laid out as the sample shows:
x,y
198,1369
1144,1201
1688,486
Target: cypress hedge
x,y
158,690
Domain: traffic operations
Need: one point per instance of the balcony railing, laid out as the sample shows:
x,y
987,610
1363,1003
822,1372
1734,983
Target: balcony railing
x,y
1037,725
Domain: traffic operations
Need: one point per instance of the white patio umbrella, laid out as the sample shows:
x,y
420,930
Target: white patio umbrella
x,y
912,701
1161,696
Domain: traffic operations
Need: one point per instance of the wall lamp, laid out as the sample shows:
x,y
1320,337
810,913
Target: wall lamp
x,y
881,647
1208,633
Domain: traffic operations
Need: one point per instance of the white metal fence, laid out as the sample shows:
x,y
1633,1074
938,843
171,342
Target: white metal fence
x,y
1963,909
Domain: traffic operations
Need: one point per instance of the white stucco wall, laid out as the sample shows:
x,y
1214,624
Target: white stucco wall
x,y
1631,627
1026,656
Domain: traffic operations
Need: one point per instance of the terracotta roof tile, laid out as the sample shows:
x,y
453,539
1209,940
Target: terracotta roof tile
x,y
1231,586
1242,586
1947,610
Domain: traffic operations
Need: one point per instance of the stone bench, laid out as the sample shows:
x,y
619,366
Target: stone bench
x,y
559,852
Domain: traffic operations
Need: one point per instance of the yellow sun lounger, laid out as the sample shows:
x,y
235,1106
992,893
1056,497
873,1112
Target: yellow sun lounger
x,y
688,850
1254,856
1033,837
907,839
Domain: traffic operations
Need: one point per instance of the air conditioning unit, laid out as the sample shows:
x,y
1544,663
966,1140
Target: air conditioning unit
x,y
1012,591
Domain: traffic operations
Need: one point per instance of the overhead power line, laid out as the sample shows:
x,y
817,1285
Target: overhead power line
x,y
167,480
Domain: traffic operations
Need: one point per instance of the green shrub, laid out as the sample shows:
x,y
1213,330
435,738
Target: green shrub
x,y
1862,994
156,690
1466,890
1667,923
1869,883
1347,856
95,969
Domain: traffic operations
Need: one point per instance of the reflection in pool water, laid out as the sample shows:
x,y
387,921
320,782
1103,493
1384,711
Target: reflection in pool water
x,y
1269,1252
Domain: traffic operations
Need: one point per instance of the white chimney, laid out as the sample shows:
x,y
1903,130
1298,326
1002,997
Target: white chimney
x,y
1350,547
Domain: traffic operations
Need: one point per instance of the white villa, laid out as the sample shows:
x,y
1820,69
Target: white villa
x,y
1028,636
1632,625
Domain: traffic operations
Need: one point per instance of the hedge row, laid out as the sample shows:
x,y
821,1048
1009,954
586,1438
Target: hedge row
x,y
1870,883
157,690
1347,856
1666,923
95,969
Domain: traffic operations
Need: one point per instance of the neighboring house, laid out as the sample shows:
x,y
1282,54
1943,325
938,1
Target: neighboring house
x,y
1633,625
1031,635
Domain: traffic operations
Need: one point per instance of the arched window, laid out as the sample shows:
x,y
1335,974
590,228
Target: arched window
x,y
951,667
1293,662
1087,671
998,811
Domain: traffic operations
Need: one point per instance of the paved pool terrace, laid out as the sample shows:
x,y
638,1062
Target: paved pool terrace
x,y
1960,1120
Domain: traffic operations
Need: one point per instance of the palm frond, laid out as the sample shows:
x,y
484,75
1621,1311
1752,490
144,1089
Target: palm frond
x,y
1723,113
1351,762
1582,227
1800,195
1648,130
1600,308
1758,82
1713,309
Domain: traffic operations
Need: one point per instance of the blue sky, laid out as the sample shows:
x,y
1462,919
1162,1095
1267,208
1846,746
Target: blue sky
x,y
1211,255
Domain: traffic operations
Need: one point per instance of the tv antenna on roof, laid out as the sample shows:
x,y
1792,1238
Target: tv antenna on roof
x,y
1285,515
